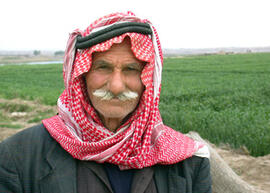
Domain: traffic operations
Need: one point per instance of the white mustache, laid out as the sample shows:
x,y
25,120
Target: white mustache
x,y
108,95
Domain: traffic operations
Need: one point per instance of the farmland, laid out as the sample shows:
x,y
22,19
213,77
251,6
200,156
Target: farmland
x,y
226,98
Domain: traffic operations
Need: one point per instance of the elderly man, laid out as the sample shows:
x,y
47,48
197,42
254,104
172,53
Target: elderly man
x,y
108,135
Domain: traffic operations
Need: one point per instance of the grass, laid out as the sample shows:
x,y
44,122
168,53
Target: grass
x,y
12,126
41,115
43,83
226,98
17,115
11,107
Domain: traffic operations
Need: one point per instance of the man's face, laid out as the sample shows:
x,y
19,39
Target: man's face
x,y
117,71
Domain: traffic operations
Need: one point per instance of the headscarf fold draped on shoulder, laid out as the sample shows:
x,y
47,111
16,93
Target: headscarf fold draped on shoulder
x,y
143,140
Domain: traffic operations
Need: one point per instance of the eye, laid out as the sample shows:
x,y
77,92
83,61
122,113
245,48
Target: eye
x,y
102,67
133,68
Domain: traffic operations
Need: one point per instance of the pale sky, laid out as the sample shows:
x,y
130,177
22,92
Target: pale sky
x,y
46,24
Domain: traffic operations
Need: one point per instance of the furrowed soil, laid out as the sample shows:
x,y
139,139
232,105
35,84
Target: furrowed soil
x,y
254,170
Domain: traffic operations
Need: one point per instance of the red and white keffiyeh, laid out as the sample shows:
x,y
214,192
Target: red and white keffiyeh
x,y
143,140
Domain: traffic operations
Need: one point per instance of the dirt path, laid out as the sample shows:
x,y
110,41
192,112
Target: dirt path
x,y
256,171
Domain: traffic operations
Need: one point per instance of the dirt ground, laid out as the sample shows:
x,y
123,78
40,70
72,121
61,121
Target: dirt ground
x,y
255,171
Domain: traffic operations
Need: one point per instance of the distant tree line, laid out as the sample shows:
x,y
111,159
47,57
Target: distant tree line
x,y
56,53
59,53
37,52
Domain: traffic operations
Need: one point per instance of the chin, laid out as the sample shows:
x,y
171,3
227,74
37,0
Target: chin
x,y
109,111
114,114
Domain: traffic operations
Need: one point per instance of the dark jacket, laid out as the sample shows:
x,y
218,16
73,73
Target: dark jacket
x,y
33,162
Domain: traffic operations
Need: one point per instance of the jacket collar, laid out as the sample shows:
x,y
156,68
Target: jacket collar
x,y
141,178
59,174
99,171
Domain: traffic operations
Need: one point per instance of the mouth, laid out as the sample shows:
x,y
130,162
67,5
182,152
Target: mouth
x,y
114,100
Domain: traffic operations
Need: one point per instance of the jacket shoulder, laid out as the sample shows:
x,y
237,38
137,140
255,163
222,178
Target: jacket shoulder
x,y
32,161
195,163
21,154
31,142
189,175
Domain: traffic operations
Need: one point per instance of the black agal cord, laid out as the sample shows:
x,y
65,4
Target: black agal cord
x,y
110,32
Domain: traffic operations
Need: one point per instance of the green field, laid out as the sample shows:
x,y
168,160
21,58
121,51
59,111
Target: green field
x,y
43,83
226,98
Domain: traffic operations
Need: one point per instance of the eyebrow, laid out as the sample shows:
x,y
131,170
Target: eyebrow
x,y
104,62
135,64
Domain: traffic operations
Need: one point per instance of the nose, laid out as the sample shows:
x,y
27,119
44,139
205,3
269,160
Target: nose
x,y
116,83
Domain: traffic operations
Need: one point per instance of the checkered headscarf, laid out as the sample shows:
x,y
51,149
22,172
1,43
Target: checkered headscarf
x,y
143,140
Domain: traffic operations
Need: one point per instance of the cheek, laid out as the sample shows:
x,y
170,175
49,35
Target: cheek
x,y
140,87
135,84
94,81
